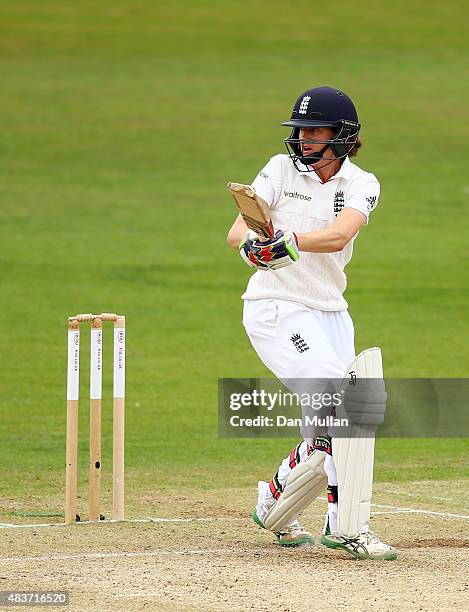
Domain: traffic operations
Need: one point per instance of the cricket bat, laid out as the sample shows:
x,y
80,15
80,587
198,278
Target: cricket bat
x,y
253,209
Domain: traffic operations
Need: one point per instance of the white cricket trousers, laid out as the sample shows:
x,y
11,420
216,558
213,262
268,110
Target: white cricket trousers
x,y
294,342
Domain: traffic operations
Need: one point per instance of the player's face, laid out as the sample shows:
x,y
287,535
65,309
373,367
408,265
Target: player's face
x,y
314,133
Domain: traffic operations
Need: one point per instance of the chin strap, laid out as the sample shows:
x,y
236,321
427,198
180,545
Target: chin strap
x,y
308,160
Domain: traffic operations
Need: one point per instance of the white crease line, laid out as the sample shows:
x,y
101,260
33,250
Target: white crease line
x,y
155,519
118,596
224,518
133,555
429,512
418,511
410,494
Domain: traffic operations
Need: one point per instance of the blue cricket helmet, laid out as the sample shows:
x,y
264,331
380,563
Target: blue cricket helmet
x,y
323,107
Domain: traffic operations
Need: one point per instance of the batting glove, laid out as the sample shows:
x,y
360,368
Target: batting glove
x,y
248,253
277,253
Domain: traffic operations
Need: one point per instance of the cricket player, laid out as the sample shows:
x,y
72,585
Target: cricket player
x,y
294,311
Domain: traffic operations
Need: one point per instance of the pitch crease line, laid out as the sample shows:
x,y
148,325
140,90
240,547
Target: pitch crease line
x,y
397,509
155,519
123,555
417,511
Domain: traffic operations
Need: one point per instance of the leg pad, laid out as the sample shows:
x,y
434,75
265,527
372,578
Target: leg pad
x,y
304,483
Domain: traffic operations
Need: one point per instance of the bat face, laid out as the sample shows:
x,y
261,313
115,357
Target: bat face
x,y
253,209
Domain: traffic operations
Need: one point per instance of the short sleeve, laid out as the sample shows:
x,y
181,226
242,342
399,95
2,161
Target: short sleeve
x,y
364,197
267,182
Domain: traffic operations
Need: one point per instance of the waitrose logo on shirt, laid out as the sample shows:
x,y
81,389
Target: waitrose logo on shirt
x,y
295,194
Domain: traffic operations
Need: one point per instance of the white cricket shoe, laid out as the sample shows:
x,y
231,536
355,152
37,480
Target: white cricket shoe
x,y
365,546
291,535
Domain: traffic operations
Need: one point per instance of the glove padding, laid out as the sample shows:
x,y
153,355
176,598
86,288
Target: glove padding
x,y
272,254
248,253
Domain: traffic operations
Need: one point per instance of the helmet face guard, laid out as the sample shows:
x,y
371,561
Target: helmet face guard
x,y
324,107
345,138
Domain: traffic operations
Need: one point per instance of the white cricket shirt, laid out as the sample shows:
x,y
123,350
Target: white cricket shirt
x,y
299,201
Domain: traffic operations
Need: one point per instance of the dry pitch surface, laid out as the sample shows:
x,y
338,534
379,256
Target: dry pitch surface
x,y
214,558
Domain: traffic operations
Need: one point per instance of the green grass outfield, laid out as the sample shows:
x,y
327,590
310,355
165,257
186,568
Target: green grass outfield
x,y
121,123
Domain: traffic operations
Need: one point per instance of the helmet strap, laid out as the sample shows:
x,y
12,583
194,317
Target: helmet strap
x,y
308,160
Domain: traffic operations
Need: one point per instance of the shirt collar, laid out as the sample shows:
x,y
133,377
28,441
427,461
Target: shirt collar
x,y
345,171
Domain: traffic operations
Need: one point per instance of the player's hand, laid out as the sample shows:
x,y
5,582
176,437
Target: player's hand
x,y
248,253
277,253
271,254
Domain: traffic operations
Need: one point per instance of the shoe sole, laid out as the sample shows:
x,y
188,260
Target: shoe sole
x,y
389,556
300,542
256,519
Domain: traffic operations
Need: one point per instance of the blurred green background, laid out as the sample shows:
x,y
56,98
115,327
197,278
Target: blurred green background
x,y
121,124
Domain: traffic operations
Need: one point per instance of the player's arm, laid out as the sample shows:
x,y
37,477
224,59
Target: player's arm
x,y
237,232
336,237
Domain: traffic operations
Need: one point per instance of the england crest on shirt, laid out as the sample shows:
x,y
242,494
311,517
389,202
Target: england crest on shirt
x,y
339,202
